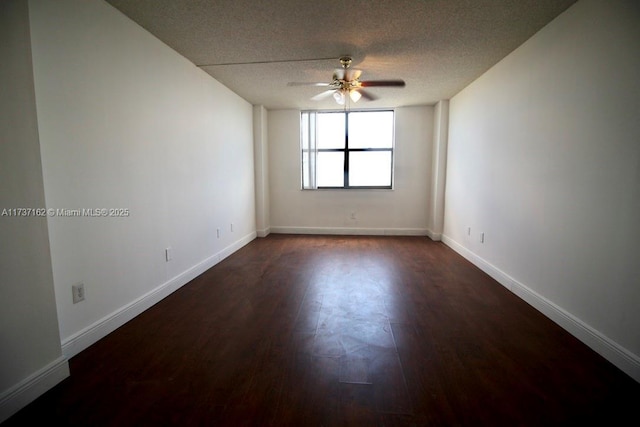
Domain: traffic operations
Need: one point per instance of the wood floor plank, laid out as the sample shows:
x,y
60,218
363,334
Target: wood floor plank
x,y
338,331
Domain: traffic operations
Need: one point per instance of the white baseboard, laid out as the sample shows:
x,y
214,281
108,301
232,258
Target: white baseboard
x,y
436,237
28,390
79,341
625,360
351,231
264,233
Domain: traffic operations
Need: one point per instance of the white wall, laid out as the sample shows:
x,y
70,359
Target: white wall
x,y
438,169
125,122
544,157
261,166
403,210
30,355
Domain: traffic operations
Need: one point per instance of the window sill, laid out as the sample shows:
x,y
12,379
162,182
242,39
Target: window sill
x,y
349,189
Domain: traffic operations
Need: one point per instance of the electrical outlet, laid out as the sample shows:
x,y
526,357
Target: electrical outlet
x,y
77,292
468,231
353,215
481,237
231,227
167,254
218,232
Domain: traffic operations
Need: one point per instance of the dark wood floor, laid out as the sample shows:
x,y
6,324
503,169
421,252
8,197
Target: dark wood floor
x,y
333,331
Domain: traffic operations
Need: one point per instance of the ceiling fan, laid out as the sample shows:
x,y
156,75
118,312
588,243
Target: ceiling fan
x,y
346,82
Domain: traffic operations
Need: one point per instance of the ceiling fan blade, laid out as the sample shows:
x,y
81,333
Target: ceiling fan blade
x,y
339,74
323,95
352,74
378,83
367,95
308,84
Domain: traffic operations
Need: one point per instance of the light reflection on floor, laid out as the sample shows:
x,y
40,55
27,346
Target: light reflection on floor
x,y
345,321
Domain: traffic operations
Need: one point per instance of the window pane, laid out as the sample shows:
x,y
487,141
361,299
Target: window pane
x,y
370,168
330,169
330,130
371,129
306,171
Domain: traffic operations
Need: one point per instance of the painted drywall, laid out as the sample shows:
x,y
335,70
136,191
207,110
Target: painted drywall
x,y
30,355
261,166
544,158
403,210
127,123
438,168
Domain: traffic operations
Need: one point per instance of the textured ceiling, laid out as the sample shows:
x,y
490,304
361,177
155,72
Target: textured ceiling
x,y
437,46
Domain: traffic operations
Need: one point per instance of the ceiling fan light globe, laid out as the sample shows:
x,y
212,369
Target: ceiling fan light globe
x,y
355,95
339,97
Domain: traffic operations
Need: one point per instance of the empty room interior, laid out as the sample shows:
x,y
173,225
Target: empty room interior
x,y
319,213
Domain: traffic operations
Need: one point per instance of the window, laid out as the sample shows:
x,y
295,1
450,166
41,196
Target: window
x,y
347,149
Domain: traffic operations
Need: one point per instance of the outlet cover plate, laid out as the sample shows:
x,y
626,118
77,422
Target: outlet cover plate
x,y
78,292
